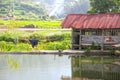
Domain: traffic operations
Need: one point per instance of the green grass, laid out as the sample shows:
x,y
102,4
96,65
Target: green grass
x,y
12,40
48,40
38,24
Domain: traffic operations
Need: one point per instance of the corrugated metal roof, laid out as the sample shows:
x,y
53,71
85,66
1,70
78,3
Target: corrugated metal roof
x,y
95,21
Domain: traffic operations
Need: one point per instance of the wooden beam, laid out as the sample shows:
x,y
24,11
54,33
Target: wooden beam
x,y
64,52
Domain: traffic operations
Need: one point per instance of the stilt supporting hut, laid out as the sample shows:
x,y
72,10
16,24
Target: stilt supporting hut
x,y
97,31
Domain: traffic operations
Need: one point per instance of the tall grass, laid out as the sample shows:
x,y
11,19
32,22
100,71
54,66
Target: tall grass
x,y
37,24
48,40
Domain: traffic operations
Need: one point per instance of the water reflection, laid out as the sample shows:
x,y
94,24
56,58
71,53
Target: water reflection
x,y
35,67
53,67
95,68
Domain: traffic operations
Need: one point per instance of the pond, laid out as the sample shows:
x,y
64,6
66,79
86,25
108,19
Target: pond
x,y
34,67
53,67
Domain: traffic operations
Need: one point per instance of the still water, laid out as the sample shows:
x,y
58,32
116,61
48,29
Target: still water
x,y
35,67
53,67
96,68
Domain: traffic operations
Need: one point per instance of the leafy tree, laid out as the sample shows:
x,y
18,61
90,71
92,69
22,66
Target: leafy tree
x,y
117,7
98,6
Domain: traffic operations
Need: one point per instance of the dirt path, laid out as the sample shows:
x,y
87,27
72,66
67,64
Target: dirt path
x,y
32,29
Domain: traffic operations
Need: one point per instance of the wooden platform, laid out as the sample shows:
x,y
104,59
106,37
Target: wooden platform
x,y
65,52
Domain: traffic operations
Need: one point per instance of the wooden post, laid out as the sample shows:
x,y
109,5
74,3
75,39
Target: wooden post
x,y
80,40
102,42
71,46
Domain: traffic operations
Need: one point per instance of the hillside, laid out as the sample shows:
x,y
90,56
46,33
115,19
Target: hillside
x,y
21,10
42,9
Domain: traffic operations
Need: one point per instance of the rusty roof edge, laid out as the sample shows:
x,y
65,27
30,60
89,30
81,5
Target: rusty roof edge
x,y
99,14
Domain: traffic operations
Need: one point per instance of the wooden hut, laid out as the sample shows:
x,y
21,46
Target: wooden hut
x,y
100,31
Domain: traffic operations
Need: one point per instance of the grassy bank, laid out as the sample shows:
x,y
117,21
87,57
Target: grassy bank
x,y
48,40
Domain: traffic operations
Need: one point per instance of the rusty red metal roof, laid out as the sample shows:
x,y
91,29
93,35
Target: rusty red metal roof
x,y
94,21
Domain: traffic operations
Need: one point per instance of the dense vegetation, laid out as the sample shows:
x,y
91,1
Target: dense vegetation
x,y
11,40
104,6
48,40
22,11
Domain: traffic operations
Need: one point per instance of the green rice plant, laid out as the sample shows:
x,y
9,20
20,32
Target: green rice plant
x,y
5,22
9,46
19,40
61,45
22,47
9,36
5,46
66,35
1,23
40,24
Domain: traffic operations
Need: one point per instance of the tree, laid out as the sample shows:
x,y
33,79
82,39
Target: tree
x,y
117,7
99,6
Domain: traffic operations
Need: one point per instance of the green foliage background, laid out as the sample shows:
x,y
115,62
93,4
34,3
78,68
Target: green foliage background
x,y
104,6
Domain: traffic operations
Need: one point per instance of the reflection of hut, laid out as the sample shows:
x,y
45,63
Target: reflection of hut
x,y
94,28
94,68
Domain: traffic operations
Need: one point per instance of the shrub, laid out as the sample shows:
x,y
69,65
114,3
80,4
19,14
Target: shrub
x,y
6,37
30,26
54,37
36,36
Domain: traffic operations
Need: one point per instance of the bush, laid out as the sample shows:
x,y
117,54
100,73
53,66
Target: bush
x,y
8,37
57,36
29,26
36,36
54,37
